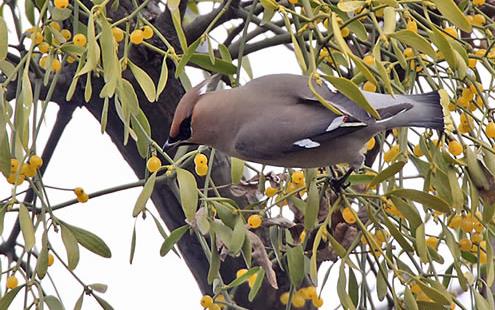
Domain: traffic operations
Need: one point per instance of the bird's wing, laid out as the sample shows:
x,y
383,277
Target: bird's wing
x,y
284,134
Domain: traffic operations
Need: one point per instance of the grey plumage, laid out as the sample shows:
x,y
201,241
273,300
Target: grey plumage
x,y
276,120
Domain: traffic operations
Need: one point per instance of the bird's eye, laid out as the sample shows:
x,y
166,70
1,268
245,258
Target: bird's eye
x,y
184,131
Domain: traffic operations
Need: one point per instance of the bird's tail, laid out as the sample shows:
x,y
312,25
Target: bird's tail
x,y
423,110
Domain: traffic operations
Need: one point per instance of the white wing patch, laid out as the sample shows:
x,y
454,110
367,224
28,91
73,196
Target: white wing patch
x,y
307,143
335,123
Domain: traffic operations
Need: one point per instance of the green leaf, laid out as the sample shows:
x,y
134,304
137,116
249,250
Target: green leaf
x,y
389,20
312,207
42,261
26,90
53,303
442,297
172,239
187,56
295,263
162,82
238,281
27,227
337,34
8,69
238,236
9,297
260,275
59,15
409,300
79,302
351,91
236,169
188,192
381,282
71,247
214,260
29,10
3,210
111,64
345,299
133,244
93,49
421,243
353,287
398,235
144,81
350,6
99,287
439,39
451,11
423,198
144,195
90,241
176,20
128,96
390,171
103,303
4,39
363,68
414,40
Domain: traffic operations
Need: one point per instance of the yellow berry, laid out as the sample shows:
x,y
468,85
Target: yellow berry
x,y
482,259
369,86
12,282
348,216
369,60
381,235
455,148
415,288
451,32
302,236
66,34
79,40
479,20
455,222
200,159
476,238
432,242
310,292
478,2
56,65
83,198
465,244
153,164
408,52
466,120
252,280
14,165
284,298
490,130
36,161
43,62
206,301
345,32
28,170
371,144
137,37
317,302
418,152
412,26
391,154
55,26
38,37
293,1
51,259
214,307
479,227
78,191
15,179
240,272
297,177
147,32
271,191
61,4
118,34
201,170
467,224
44,47
298,301
472,62
255,221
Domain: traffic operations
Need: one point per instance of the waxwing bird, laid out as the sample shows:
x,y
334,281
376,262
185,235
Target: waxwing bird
x,y
276,120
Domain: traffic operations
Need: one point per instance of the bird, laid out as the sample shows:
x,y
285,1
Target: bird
x,y
276,120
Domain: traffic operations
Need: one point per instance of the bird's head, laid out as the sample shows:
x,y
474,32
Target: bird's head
x,y
181,131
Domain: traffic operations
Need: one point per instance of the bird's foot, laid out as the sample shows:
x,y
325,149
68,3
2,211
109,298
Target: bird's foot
x,y
339,184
